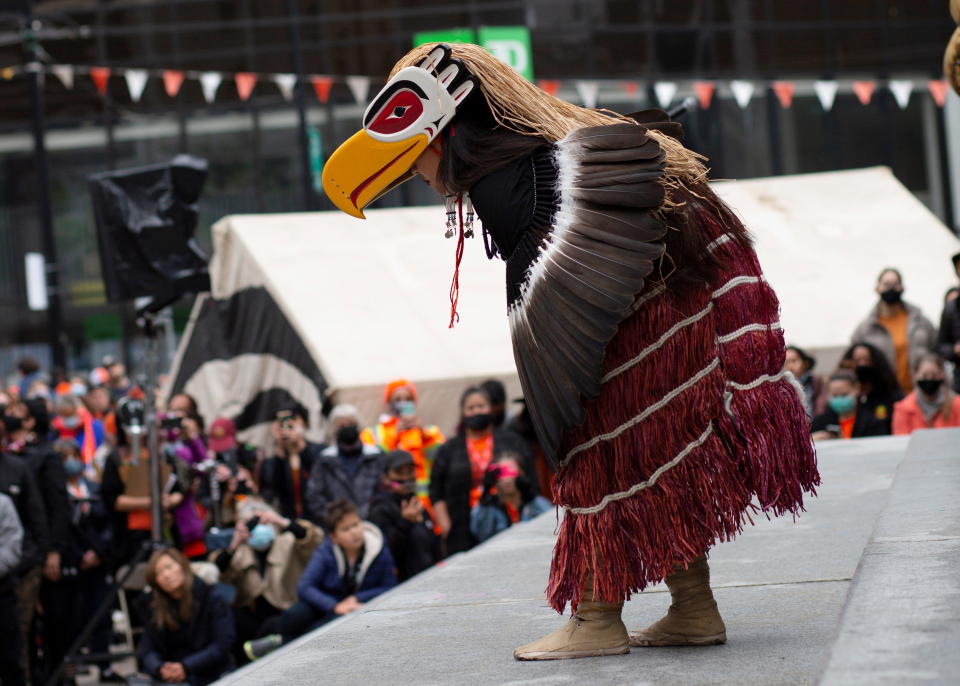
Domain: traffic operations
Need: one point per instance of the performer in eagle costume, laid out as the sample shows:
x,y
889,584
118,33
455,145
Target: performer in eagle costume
x,y
646,339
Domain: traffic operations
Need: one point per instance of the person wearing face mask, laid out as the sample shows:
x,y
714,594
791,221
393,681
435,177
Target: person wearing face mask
x,y
401,429
879,389
75,422
899,329
948,335
457,482
71,601
932,404
347,470
801,365
508,498
845,416
264,561
401,516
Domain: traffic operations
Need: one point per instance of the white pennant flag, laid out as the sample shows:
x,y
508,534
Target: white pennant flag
x,y
665,90
64,72
285,82
901,90
359,85
136,81
826,93
588,92
742,92
209,83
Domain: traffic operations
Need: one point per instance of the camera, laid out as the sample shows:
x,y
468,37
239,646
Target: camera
x,y
171,423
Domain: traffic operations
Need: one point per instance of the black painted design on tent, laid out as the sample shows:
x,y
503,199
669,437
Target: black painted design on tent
x,y
249,322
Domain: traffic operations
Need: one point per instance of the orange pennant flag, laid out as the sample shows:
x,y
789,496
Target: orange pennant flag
x,y
704,91
631,87
100,76
549,85
784,92
172,80
321,85
938,89
245,82
864,91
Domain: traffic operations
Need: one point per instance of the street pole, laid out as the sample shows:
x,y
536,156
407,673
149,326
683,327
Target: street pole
x,y
296,56
45,213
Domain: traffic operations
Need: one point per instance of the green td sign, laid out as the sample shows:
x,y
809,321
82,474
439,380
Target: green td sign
x,y
508,43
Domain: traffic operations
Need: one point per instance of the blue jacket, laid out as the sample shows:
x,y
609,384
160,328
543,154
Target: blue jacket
x,y
487,520
321,584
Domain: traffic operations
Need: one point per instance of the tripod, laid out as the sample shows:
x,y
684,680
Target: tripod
x,y
138,420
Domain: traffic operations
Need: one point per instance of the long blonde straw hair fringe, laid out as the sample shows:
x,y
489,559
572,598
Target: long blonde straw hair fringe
x,y
520,106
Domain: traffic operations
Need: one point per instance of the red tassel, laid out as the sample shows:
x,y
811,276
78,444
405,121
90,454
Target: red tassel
x,y
455,286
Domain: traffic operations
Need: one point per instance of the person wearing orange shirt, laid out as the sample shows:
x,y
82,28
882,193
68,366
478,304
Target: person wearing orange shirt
x,y
932,405
845,416
899,329
401,429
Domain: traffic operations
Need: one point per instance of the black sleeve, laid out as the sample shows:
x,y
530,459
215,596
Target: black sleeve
x,y
438,475
296,529
111,486
54,488
33,513
267,479
946,337
825,421
395,529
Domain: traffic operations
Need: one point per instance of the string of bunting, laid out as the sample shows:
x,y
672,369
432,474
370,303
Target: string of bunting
x,y
588,91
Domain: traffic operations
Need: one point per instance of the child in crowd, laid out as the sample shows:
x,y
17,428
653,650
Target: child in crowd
x,y
508,497
402,517
350,568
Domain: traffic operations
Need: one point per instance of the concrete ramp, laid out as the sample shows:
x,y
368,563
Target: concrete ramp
x,y
781,588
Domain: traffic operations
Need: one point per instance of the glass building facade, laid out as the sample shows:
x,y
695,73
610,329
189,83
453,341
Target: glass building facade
x,y
257,161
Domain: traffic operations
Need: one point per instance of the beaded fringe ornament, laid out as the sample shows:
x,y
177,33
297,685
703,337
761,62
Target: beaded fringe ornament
x,y
463,227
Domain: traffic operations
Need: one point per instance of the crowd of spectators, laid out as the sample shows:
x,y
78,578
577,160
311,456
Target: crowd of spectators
x,y
256,544
895,376
259,544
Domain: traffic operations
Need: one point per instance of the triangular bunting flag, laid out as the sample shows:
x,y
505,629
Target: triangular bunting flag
x,y
285,82
631,87
359,85
704,91
245,81
64,72
172,80
742,92
321,86
588,90
901,89
665,90
136,81
864,91
784,92
826,93
209,83
100,76
938,89
549,85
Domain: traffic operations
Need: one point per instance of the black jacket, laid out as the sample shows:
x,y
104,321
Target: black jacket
x,y
209,636
16,480
451,482
276,482
867,423
414,545
51,479
949,336
329,481
90,529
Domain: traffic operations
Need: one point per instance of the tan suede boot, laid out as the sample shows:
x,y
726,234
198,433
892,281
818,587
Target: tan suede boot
x,y
693,619
595,629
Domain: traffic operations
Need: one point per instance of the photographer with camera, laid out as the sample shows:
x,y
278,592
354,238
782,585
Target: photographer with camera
x,y
284,476
401,516
231,479
264,561
508,497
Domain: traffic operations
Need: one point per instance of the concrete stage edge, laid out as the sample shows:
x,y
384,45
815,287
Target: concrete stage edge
x,y
782,588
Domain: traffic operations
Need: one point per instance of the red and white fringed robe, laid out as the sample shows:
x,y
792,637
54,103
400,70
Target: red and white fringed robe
x,y
659,395
695,418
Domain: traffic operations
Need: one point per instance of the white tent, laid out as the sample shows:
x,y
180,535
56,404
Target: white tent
x,y
369,300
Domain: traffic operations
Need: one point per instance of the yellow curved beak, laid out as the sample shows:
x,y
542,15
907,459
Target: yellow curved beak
x,y
363,168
